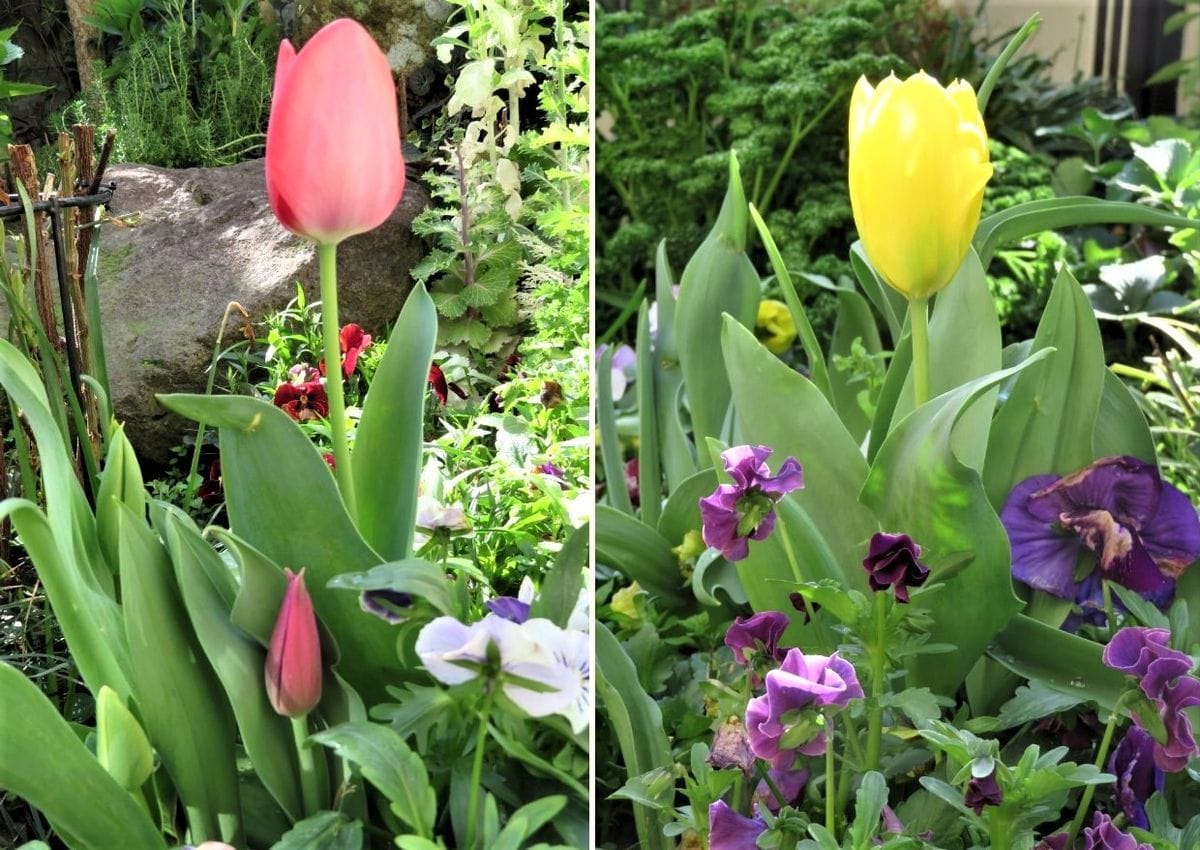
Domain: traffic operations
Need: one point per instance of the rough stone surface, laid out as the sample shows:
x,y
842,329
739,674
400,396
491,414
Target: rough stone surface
x,y
198,239
402,28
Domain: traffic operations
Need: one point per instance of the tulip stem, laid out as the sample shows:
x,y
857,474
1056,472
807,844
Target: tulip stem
x,y
1101,755
477,770
919,320
308,768
878,679
333,374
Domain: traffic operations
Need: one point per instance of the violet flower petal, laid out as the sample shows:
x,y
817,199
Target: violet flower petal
x,y
727,830
1041,558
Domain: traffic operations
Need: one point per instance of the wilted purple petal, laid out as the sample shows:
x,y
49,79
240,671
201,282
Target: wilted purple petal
x,y
1104,835
891,823
1126,487
746,633
727,830
731,747
1173,536
1041,558
1132,762
510,608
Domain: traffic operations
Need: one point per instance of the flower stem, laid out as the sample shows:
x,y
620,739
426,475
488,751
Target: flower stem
x,y
309,783
1110,617
830,785
1101,755
826,645
333,373
919,320
477,770
878,680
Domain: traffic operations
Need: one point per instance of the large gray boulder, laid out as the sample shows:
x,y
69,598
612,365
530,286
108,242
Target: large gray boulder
x,y
196,239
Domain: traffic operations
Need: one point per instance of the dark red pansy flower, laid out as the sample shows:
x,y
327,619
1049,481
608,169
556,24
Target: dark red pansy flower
x,y
304,401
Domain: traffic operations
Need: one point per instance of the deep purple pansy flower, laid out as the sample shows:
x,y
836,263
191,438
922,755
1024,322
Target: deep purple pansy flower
x,y
390,605
1141,531
727,830
1132,762
510,608
745,510
983,791
1104,835
1057,841
801,682
746,634
893,561
1163,676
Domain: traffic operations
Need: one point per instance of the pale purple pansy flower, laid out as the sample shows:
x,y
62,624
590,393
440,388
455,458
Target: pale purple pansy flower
x,y
1163,675
893,561
801,682
748,636
1132,762
1104,835
727,830
745,510
1141,531
454,652
623,366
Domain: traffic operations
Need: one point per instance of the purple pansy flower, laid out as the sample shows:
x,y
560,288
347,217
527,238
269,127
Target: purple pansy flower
x,y
789,782
1057,841
390,605
1137,775
727,830
892,561
745,510
510,608
1104,835
623,369
1163,676
801,682
1141,531
983,791
747,633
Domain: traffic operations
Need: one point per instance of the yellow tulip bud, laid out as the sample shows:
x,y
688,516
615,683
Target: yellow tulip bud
x,y
918,167
775,326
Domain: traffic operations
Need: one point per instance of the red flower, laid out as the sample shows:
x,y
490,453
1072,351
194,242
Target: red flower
x,y
333,161
437,380
293,671
303,401
331,460
354,343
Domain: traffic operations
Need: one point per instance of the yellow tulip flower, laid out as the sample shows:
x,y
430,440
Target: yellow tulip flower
x,y
775,326
918,167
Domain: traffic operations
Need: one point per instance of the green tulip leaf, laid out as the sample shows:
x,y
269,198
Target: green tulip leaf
x,y
828,528
1121,427
120,484
121,744
1046,424
714,573
44,762
616,492
179,699
681,513
1032,217
718,279
676,453
920,486
637,723
391,766
649,468
641,554
238,660
560,589
292,513
890,304
414,576
389,438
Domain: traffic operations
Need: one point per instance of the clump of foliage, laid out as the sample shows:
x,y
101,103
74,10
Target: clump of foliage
x,y
192,90
9,53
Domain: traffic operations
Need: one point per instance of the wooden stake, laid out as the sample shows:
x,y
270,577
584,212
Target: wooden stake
x,y
24,170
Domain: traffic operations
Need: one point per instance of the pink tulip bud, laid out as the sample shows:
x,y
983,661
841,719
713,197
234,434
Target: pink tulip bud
x,y
294,658
334,165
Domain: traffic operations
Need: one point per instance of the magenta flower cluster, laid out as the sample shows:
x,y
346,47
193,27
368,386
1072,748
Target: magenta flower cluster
x,y
1163,675
743,511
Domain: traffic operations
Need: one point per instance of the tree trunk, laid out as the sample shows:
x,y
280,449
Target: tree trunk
x,y
86,40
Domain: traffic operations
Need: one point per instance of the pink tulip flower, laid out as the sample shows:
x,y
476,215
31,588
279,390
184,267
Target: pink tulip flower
x,y
294,658
334,165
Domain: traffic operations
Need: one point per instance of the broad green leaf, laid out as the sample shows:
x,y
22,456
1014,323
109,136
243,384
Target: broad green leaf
x,y
1032,217
1030,703
649,468
714,573
120,484
44,762
391,766
918,485
890,303
292,513
1046,424
414,576
868,806
681,513
559,593
527,820
514,748
636,721
238,661
1121,427
894,383
829,529
1059,660
616,492
323,831
180,701
718,279
964,344
676,453
121,744
854,322
389,438
640,553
